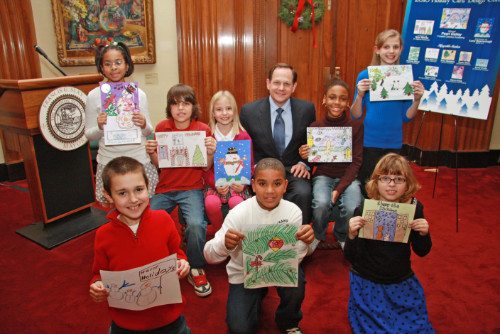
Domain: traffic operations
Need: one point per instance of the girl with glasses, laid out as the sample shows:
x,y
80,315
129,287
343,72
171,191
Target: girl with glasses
x,y
385,295
114,62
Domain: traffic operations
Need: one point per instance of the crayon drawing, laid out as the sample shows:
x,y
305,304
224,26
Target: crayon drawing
x,y
181,149
120,101
391,82
330,144
141,288
232,163
484,27
454,18
387,221
270,256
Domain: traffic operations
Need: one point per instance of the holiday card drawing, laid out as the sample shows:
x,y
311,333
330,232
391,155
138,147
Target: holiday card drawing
x,y
387,221
141,288
181,149
390,82
484,27
232,163
270,255
120,101
454,18
329,144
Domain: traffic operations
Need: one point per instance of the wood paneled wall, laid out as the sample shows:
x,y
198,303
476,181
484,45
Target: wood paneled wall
x,y
17,56
231,44
17,37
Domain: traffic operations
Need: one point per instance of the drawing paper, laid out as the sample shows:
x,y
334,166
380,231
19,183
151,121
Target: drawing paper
x,y
232,163
181,149
387,221
329,144
270,255
144,287
120,101
390,82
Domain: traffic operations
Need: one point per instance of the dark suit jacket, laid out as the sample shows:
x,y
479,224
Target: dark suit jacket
x,y
256,119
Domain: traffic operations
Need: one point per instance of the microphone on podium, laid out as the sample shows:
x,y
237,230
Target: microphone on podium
x,y
40,51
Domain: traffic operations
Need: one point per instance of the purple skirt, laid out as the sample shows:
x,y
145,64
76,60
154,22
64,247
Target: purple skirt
x,y
387,308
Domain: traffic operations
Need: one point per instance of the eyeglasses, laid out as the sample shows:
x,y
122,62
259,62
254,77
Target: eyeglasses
x,y
111,63
387,179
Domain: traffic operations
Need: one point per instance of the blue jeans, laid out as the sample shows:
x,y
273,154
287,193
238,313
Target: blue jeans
x,y
244,306
192,205
322,206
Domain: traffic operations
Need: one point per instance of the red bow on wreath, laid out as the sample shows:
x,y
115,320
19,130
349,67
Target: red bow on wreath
x,y
300,8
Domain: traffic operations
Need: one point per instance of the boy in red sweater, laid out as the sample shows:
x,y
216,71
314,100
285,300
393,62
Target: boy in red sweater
x,y
134,237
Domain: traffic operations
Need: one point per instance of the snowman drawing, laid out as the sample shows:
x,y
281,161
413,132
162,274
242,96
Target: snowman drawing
x,y
233,164
115,293
147,295
129,296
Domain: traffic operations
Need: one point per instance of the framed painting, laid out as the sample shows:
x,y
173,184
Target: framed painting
x,y
81,25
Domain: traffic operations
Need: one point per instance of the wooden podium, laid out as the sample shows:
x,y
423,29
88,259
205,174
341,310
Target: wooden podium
x,y
61,183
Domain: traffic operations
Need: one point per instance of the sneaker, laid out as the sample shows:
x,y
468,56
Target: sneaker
x,y
295,330
198,280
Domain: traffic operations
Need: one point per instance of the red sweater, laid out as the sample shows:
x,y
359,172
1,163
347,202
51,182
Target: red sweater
x,y
117,248
185,178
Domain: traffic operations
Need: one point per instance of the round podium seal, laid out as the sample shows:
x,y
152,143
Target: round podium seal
x,y
62,118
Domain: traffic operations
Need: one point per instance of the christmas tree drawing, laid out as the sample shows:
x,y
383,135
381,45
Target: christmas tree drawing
x,y
270,256
198,159
384,93
408,89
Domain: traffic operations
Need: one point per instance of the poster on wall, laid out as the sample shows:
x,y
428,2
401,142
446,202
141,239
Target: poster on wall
x,y
453,49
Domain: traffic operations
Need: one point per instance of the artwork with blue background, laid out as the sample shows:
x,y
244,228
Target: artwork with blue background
x,y
232,163
453,49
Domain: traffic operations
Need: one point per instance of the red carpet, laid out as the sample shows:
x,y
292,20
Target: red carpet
x,y
47,291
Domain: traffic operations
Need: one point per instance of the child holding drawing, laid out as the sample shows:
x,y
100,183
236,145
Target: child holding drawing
x,y
383,120
385,295
134,237
225,125
266,207
335,183
114,62
183,186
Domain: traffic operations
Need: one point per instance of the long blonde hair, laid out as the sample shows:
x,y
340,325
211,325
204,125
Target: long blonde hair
x,y
379,42
393,164
232,101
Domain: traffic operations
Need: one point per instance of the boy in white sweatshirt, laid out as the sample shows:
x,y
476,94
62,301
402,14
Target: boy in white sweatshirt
x,y
266,207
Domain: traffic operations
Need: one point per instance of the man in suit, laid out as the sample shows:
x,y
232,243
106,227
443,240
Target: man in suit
x,y
277,125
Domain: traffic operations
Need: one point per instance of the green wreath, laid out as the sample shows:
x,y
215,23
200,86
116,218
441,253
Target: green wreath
x,y
288,9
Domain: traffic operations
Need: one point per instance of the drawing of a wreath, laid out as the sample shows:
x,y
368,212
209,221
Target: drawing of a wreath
x,y
288,10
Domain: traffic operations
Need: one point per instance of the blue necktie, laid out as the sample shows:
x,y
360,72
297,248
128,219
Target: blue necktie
x,y
279,132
